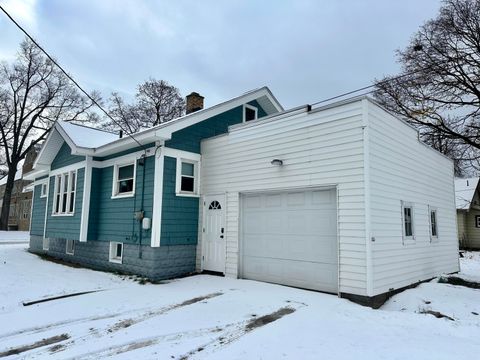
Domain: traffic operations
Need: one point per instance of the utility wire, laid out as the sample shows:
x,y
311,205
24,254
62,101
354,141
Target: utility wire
x,y
368,87
70,77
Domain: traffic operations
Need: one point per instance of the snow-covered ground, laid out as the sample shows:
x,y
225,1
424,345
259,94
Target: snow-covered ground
x,y
208,317
10,237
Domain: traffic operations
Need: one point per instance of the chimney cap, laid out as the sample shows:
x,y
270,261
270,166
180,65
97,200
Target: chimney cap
x,y
196,94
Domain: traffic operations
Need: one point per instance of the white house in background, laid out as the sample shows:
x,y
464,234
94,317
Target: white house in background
x,y
467,200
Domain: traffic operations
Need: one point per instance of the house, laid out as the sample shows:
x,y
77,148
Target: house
x,y
21,199
467,200
342,198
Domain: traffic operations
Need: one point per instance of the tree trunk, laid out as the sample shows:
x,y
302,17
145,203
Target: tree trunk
x,y
7,197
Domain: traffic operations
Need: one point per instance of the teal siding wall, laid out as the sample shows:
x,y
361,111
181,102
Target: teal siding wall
x,y
179,213
189,139
125,152
112,219
64,157
38,212
66,227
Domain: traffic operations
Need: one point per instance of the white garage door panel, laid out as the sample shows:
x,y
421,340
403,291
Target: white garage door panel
x,y
290,238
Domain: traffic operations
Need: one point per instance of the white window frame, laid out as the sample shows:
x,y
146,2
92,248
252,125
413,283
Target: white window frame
x,y
61,178
26,208
408,239
116,167
46,244
69,241
196,178
112,255
251,107
435,210
43,187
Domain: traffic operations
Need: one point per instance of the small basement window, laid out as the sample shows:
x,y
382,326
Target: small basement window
x,y
43,190
407,218
249,113
116,252
70,247
433,223
124,180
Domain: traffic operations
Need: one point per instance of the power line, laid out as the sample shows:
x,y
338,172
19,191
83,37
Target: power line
x,y
367,87
69,76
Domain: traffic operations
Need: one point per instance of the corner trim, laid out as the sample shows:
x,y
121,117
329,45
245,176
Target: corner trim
x,y
87,185
157,196
366,176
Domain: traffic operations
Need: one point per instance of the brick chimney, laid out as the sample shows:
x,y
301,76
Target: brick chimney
x,y
194,102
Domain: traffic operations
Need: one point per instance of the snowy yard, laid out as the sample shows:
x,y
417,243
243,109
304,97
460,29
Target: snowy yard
x,y
207,317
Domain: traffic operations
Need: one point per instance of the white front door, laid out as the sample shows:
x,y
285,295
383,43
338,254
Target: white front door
x,y
214,233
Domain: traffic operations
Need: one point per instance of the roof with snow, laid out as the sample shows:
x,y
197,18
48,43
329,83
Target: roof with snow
x,y
464,192
87,137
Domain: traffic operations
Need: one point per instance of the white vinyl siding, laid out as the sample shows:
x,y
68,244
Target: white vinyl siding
x,y
403,169
317,149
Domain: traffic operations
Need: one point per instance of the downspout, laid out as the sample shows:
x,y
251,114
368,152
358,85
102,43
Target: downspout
x,y
142,163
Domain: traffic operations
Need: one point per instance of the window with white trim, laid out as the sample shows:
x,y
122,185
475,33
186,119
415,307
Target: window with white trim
x,y
43,190
64,195
477,221
407,220
26,206
70,247
124,180
249,113
433,223
187,177
116,252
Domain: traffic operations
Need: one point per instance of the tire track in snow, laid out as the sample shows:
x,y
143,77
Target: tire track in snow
x,y
125,323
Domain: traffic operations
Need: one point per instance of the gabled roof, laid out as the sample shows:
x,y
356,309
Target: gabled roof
x,y
94,142
464,192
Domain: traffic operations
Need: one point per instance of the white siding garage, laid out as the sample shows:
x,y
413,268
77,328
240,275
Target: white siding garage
x,y
290,238
375,163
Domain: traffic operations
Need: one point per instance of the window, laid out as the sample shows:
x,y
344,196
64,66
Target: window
x,y
477,221
25,209
249,113
43,190
13,210
408,225
187,177
433,223
64,196
70,247
116,252
124,180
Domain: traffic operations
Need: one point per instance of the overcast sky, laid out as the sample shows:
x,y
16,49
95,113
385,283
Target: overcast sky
x,y
304,51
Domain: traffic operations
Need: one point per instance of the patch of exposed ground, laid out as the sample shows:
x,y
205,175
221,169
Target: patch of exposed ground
x,y
35,345
122,324
437,314
229,337
454,280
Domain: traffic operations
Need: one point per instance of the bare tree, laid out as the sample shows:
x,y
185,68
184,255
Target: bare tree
x,y
438,89
34,94
156,102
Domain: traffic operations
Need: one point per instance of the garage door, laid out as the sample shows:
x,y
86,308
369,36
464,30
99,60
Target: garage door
x,y
290,238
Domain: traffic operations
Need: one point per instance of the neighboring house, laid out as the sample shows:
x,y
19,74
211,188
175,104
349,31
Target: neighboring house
x,y
343,198
467,199
21,199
